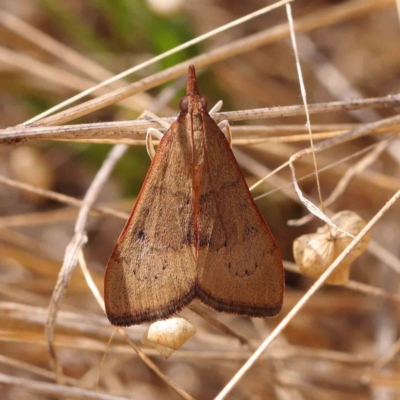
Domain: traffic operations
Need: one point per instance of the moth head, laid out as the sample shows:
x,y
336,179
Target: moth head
x,y
194,104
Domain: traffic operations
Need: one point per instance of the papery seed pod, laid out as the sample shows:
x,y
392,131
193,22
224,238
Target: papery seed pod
x,y
168,335
172,332
315,252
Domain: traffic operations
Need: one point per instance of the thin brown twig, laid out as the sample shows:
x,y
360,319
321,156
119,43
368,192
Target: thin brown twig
x,y
304,97
325,168
263,138
384,255
341,186
58,77
124,129
52,46
218,324
288,354
17,238
76,244
51,389
353,134
68,55
154,367
353,285
33,369
62,198
381,362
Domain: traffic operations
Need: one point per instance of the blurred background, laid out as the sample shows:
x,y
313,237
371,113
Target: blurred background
x,y
50,50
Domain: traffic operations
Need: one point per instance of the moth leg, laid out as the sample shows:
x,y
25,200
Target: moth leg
x,y
216,108
223,125
226,129
152,131
153,116
149,141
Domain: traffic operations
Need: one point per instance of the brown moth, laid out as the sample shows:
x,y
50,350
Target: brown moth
x,y
194,232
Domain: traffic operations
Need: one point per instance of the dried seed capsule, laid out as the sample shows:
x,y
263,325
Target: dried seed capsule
x,y
168,335
315,252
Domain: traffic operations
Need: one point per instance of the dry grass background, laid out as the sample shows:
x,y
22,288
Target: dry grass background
x,y
343,343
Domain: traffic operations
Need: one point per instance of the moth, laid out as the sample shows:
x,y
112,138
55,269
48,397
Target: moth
x,y
194,232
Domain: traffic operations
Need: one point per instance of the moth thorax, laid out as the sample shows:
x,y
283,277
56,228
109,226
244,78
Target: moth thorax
x,y
198,141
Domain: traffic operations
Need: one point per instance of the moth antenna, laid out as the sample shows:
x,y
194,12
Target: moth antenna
x,y
191,87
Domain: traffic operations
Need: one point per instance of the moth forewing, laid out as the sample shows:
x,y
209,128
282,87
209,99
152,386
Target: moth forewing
x,y
151,272
239,267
